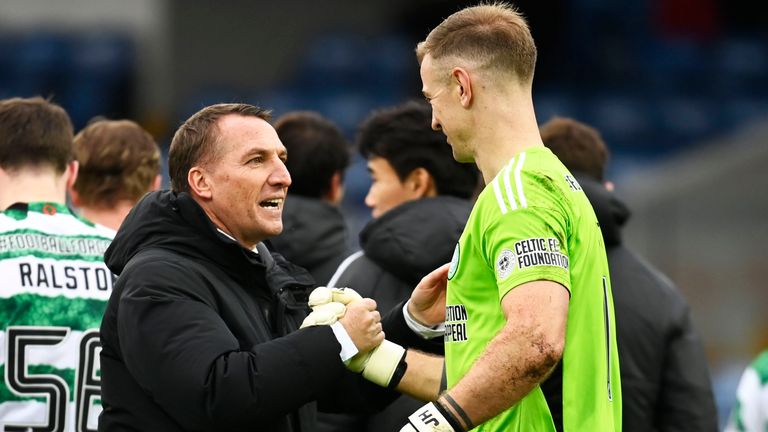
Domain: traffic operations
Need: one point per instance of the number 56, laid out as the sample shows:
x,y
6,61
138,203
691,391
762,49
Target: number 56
x,y
53,387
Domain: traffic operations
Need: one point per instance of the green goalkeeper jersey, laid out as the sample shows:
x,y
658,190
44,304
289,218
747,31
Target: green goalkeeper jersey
x,y
54,287
533,222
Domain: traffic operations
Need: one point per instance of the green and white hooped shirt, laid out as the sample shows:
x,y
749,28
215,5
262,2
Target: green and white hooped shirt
x,y
54,287
534,222
751,411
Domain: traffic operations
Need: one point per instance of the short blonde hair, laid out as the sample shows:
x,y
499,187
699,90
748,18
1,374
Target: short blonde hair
x,y
118,160
494,36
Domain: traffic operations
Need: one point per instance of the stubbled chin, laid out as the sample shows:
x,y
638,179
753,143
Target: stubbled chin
x,y
277,228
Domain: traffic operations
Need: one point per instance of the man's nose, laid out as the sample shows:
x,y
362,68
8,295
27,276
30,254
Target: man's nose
x,y
435,124
369,201
280,176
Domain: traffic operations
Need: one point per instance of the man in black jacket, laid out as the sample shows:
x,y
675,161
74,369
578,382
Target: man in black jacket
x,y
314,231
664,375
420,201
200,332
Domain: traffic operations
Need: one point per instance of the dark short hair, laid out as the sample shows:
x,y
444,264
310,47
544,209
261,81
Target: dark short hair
x,y
119,160
404,137
579,146
316,151
194,141
34,132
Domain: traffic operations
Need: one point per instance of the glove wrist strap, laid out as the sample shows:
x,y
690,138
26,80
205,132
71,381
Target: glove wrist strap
x,y
399,372
383,363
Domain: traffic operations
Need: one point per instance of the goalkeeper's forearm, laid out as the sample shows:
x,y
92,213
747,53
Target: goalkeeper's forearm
x,y
422,376
411,372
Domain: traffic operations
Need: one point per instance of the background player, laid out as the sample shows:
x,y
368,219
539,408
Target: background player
x,y
119,163
55,284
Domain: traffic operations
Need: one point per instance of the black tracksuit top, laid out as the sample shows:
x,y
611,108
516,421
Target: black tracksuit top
x,y
200,333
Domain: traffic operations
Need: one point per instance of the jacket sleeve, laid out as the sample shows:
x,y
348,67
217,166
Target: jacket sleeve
x,y
397,331
686,402
180,351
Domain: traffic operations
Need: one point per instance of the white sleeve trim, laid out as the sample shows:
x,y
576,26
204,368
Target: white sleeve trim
x,y
420,329
348,348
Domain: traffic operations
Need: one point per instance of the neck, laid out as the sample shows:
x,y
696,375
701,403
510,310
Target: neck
x,y
506,126
32,187
220,225
110,217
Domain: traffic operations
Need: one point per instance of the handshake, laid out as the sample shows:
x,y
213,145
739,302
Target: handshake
x,y
379,360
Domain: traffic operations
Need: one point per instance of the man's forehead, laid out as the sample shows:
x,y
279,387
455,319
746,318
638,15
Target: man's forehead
x,y
248,135
428,70
246,126
240,123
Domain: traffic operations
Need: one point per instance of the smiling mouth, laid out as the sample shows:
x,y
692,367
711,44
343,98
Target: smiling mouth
x,y
271,203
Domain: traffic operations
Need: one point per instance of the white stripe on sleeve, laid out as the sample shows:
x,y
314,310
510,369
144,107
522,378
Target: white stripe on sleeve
x,y
499,198
519,182
507,186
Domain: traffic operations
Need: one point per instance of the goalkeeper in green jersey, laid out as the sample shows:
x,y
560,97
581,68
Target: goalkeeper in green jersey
x,y
525,308
527,315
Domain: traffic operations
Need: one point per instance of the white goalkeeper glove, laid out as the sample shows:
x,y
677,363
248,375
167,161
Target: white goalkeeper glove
x,y
432,417
328,305
322,295
378,365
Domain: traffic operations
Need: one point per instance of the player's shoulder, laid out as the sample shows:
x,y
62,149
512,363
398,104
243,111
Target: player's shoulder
x,y
50,219
532,178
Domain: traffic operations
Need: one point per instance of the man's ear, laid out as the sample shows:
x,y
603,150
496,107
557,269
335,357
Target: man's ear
x,y
70,174
421,184
199,182
156,183
464,82
335,189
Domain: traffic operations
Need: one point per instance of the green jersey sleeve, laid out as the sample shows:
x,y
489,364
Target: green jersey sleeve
x,y
534,250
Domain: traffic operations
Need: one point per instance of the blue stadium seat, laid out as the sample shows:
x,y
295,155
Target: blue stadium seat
x,y
99,77
625,121
349,109
684,120
390,67
740,110
742,66
209,96
101,56
281,101
678,65
39,64
558,103
333,62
